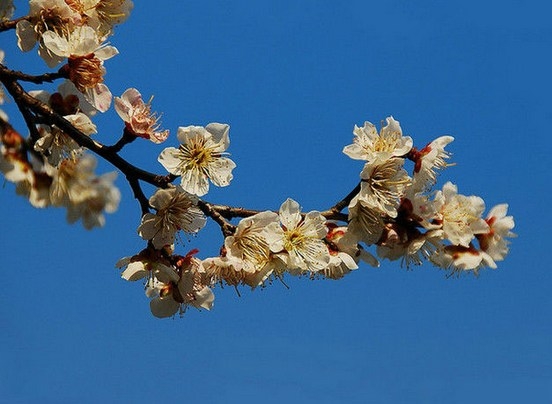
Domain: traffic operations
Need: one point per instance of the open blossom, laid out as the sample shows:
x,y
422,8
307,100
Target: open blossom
x,y
175,210
71,180
85,55
46,15
138,118
103,196
200,158
172,291
494,242
56,145
432,157
459,215
102,15
248,258
383,184
368,145
298,241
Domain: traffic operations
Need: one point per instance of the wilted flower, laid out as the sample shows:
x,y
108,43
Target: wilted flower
x,y
138,118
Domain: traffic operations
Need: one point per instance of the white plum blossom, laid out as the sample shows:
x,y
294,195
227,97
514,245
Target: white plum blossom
x,y
172,292
71,180
46,15
365,223
459,215
85,55
458,259
383,184
494,242
248,256
344,253
103,196
248,245
136,269
175,210
138,118
103,15
200,158
86,196
432,157
56,145
370,146
298,241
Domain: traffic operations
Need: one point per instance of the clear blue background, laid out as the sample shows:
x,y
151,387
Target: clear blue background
x,y
292,78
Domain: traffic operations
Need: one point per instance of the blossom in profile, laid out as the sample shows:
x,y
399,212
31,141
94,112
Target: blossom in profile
x,y
139,119
427,160
176,210
345,254
494,242
85,55
141,265
369,145
298,240
200,158
458,259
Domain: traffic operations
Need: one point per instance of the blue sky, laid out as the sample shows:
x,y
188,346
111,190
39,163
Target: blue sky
x,y
292,78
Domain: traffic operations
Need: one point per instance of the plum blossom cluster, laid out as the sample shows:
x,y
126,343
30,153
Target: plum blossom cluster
x,y
393,210
71,183
75,31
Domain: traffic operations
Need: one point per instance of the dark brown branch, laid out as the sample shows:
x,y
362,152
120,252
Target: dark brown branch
x,y
221,214
52,118
37,79
139,194
227,228
334,211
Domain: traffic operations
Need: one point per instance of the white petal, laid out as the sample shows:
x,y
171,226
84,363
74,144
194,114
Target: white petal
x,y
290,213
220,171
171,159
164,306
106,52
56,44
26,36
220,135
134,271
